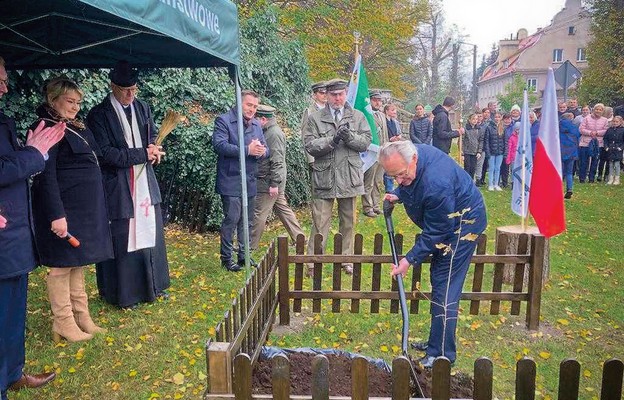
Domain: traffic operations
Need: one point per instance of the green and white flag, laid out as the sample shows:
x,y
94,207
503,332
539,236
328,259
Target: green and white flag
x,y
357,97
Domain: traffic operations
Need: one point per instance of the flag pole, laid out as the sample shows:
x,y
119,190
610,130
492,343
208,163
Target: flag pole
x,y
525,136
461,124
356,41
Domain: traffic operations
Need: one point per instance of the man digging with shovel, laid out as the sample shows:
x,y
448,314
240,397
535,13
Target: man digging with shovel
x,y
439,197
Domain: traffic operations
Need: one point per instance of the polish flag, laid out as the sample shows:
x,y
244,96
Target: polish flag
x,y
546,194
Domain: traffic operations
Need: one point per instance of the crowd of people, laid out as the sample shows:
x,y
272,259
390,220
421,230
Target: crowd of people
x,y
78,193
591,139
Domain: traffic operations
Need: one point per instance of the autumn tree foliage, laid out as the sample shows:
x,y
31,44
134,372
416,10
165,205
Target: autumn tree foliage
x,y
603,80
326,30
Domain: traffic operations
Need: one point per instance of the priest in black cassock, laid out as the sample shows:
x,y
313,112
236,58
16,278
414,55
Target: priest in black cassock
x,y
125,132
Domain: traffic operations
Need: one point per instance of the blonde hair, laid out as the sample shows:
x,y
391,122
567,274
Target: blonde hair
x,y
57,87
1,62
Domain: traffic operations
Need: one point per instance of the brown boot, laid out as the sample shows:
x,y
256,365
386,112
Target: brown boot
x,y
80,302
63,325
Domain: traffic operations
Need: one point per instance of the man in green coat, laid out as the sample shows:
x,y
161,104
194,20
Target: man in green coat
x,y
272,180
373,177
335,136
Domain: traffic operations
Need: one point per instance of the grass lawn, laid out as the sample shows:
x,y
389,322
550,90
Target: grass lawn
x,y
157,350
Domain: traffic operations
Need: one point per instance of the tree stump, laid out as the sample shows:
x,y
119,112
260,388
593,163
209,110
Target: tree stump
x,y
515,245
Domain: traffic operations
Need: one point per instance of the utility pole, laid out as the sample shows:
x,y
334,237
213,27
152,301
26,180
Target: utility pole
x,y
474,94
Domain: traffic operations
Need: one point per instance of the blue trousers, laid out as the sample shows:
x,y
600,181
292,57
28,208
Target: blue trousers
x,y
585,161
12,330
233,221
495,169
567,166
445,303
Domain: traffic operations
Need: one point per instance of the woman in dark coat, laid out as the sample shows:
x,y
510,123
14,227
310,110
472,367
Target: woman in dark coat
x,y
420,130
125,131
495,144
68,197
613,145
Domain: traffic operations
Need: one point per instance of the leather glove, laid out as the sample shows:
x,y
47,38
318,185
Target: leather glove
x,y
336,139
344,133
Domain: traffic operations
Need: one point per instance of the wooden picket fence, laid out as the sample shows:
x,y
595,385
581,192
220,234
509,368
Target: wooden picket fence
x,y
569,380
355,294
246,325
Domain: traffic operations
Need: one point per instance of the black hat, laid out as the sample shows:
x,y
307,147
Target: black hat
x,y
374,93
122,75
319,86
336,84
265,111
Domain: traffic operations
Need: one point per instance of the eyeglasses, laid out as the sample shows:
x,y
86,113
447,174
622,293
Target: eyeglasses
x,y
405,173
4,82
401,175
132,90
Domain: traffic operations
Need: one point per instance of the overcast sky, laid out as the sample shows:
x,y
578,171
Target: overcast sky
x,y
488,21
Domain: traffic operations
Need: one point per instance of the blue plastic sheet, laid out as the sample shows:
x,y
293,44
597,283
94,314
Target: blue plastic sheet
x,y
269,352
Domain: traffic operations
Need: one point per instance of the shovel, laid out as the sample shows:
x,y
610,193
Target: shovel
x,y
388,207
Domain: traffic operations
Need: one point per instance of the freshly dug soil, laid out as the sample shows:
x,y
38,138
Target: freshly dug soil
x,y
380,381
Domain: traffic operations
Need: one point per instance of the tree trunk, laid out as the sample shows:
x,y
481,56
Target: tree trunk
x,y
513,233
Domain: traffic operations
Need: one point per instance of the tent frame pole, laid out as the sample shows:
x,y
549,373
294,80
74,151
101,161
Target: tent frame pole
x,y
242,160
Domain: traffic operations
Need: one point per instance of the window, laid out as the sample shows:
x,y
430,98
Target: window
x,y
580,54
557,55
532,85
571,30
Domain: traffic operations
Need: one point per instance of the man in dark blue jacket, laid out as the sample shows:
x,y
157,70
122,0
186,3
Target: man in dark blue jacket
x,y
439,197
225,142
17,258
443,134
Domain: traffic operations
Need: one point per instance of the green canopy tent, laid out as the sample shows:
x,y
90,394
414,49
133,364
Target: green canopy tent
x,y
54,34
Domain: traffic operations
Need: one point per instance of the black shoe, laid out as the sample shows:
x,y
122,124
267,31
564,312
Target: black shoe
x,y
241,263
163,295
421,346
231,266
568,195
598,179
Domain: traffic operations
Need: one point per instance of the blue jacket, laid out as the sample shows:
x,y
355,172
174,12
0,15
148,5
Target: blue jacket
x,y
534,134
440,188
225,143
569,136
17,164
421,130
117,158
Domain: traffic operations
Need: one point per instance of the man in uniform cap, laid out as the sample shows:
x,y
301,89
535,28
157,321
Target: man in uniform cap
x,y
374,176
335,136
318,101
272,180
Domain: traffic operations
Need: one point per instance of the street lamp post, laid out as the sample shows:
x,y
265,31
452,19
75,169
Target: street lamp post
x,y
473,92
